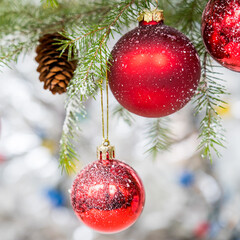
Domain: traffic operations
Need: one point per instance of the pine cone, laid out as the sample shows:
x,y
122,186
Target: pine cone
x,y
55,71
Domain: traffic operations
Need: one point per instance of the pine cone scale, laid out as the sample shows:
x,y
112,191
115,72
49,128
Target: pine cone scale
x,y
62,84
50,74
60,77
67,74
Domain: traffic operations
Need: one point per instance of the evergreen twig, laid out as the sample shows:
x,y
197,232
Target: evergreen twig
x,y
122,113
210,91
12,51
91,41
209,96
90,47
52,3
68,155
159,136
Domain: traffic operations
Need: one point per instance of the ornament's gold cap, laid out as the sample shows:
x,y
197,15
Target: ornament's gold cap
x,y
106,151
155,15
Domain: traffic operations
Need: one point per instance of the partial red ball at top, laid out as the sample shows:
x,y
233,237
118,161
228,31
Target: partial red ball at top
x,y
108,196
221,32
154,70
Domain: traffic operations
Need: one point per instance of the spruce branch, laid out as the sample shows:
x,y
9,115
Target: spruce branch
x,y
187,18
23,21
89,43
52,3
188,15
68,155
22,18
93,43
209,96
211,90
122,113
10,52
159,136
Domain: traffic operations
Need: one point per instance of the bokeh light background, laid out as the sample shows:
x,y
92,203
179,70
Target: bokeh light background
x,y
186,197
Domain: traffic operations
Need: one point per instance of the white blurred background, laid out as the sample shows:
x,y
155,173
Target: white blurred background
x,y
186,197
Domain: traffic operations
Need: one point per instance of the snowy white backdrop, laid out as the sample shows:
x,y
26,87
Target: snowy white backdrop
x,y
186,197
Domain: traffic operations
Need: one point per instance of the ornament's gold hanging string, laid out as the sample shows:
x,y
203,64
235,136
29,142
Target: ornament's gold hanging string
x,y
157,3
107,101
105,139
103,123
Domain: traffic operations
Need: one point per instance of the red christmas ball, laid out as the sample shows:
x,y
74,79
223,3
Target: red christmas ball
x,y
108,196
221,32
154,70
202,230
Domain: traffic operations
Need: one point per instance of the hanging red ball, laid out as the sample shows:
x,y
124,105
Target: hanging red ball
x,y
108,196
202,230
221,32
154,70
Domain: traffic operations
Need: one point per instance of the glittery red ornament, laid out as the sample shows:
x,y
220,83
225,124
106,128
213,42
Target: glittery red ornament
x,y
155,69
221,32
107,195
202,230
